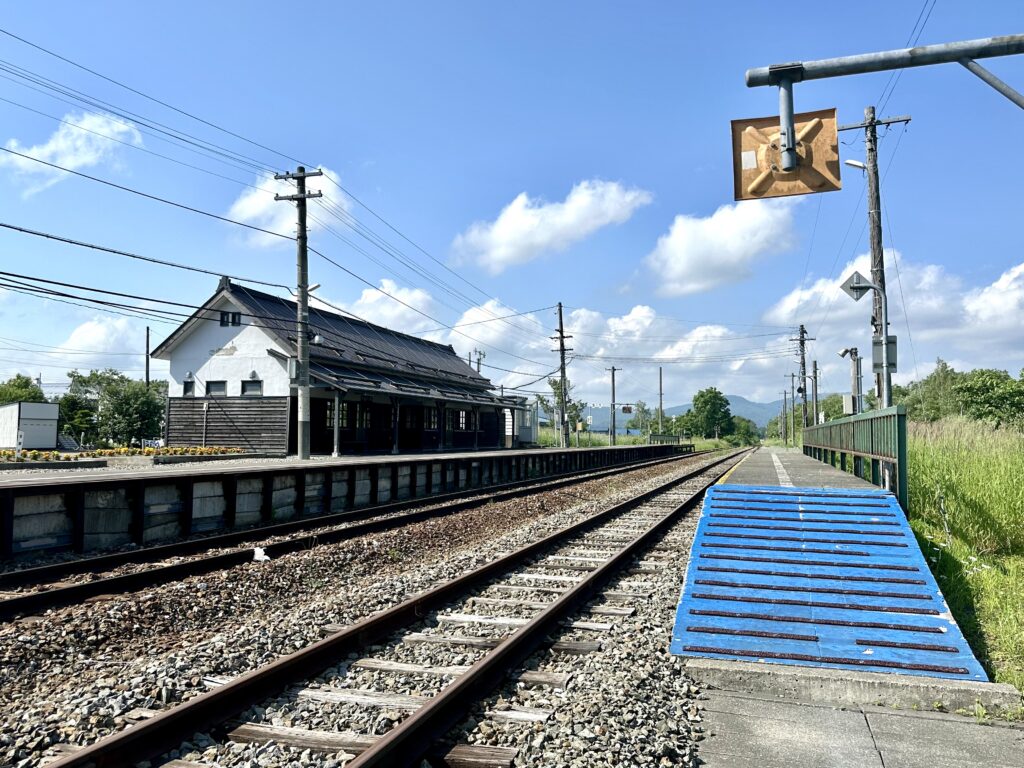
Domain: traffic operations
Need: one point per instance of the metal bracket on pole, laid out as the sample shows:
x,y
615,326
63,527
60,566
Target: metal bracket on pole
x,y
784,75
1008,91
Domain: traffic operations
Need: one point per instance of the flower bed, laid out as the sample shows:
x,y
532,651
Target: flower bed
x,y
33,455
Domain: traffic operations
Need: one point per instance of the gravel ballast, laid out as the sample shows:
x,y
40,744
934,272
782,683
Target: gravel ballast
x,y
74,674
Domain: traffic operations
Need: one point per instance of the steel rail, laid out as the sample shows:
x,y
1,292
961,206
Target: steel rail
x,y
165,731
482,496
407,742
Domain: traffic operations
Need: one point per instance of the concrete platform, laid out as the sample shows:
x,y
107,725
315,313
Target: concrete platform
x,y
788,467
754,731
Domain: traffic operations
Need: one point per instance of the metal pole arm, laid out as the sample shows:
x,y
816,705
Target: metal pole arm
x,y
944,53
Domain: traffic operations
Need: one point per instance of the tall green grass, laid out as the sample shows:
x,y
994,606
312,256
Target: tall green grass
x,y
967,510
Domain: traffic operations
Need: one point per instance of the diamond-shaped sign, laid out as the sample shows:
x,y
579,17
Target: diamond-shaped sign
x,y
856,285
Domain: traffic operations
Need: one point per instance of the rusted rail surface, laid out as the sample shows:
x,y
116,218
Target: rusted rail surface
x,y
408,741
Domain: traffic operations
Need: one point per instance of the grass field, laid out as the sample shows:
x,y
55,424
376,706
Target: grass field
x,y
967,509
548,438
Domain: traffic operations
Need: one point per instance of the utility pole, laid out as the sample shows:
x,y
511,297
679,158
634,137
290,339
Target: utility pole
x,y
147,357
875,229
302,302
480,355
661,402
611,409
792,406
563,416
782,420
879,334
802,338
814,389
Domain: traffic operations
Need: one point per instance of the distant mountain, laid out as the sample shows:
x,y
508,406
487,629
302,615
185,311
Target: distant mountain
x,y
759,413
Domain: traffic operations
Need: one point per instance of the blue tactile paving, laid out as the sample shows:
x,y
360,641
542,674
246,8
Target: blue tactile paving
x,y
816,577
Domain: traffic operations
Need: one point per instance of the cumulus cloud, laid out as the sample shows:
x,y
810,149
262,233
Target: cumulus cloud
x,y
81,141
374,306
257,206
528,228
969,327
701,253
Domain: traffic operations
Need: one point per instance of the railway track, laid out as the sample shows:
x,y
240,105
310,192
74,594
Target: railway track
x,y
569,566
238,546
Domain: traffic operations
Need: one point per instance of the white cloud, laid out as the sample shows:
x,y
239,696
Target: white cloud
x,y
374,306
701,253
257,206
528,228
967,327
80,142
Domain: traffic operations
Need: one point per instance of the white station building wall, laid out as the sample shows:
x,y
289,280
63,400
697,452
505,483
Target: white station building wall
x,y
213,352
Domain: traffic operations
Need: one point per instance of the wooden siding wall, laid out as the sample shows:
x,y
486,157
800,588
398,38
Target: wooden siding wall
x,y
254,424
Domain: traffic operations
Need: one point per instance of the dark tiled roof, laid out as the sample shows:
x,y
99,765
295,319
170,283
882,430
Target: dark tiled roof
x,y
359,345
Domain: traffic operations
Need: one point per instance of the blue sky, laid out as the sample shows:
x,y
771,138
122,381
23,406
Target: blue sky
x,y
539,152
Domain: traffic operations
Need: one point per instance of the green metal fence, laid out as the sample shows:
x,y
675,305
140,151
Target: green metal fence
x,y
879,437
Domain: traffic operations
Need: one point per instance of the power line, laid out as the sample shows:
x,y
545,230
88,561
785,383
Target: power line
x,y
147,96
147,195
130,145
150,259
80,97
418,311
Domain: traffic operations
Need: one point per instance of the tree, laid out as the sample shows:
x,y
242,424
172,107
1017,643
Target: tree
x,y
129,411
932,398
831,407
744,431
711,413
124,409
21,389
771,430
76,416
641,418
574,408
991,395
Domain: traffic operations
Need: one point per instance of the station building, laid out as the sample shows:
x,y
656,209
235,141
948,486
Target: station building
x,y
373,390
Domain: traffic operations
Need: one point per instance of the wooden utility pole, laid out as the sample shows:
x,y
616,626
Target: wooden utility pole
x,y
563,416
782,420
302,303
814,388
802,338
480,355
661,402
611,409
147,357
792,406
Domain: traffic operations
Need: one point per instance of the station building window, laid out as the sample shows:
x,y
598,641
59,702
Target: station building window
x,y
252,388
216,389
430,418
462,421
188,389
230,318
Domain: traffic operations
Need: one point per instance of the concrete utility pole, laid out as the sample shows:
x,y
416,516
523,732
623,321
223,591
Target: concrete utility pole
x,y
814,389
480,355
782,420
661,402
302,303
563,416
147,357
802,338
611,409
